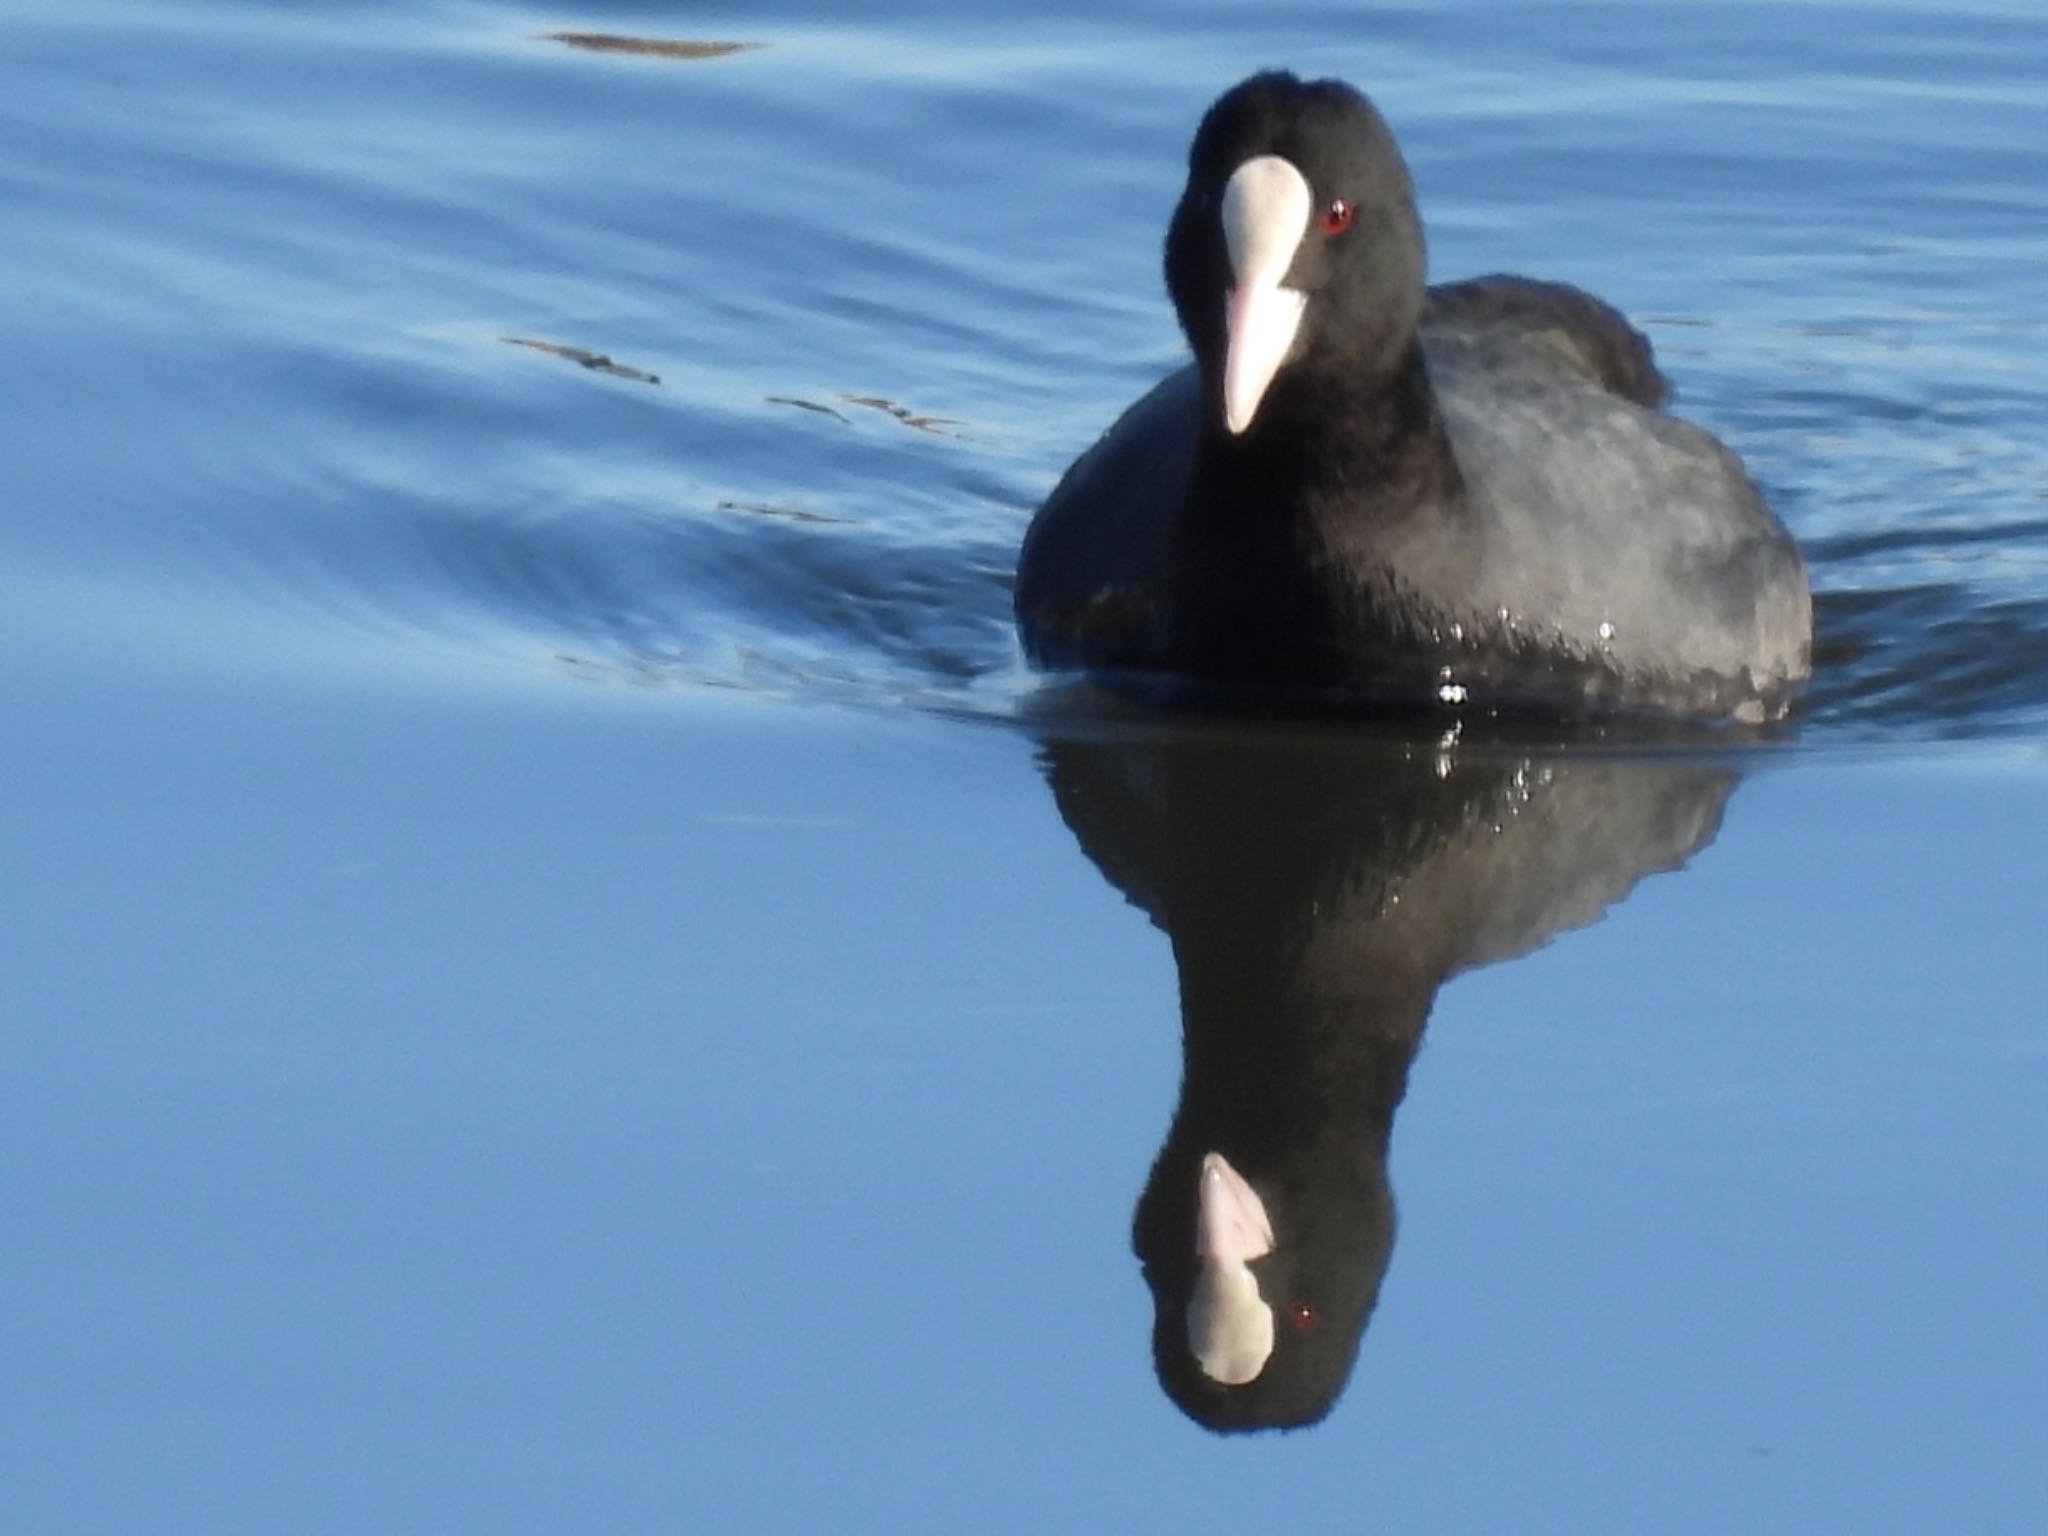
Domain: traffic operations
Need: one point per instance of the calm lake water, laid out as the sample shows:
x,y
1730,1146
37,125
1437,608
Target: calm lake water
x,y
558,975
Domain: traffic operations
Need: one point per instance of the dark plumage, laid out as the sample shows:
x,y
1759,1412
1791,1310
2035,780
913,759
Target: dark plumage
x,y
1462,496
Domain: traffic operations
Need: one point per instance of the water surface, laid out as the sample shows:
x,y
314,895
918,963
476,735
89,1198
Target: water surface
x,y
561,975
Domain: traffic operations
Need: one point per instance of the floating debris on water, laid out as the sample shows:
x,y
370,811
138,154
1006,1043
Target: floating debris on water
x,y
656,47
584,357
808,405
770,509
904,414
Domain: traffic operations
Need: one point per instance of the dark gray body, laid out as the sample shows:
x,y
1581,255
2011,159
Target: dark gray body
x,y
1589,553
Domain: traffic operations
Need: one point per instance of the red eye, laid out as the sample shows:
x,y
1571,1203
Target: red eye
x,y
1301,1314
1336,217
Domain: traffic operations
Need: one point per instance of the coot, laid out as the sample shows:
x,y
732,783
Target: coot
x,y
1370,492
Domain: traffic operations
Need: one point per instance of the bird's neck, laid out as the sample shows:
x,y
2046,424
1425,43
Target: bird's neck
x,y
1285,1049
1280,544
1355,430
1331,444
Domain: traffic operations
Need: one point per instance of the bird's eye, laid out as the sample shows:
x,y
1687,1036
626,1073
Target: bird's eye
x,y
1302,1315
1336,217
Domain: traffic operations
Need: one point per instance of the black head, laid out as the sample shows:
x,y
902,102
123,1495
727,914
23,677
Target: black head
x,y
1309,1293
1300,184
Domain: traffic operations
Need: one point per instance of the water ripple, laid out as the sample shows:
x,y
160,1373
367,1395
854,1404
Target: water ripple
x,y
802,332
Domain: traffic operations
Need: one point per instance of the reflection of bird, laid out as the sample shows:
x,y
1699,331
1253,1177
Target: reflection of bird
x,y
1317,891
1460,498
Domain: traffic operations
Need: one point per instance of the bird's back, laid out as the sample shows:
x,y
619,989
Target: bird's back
x,y
1609,532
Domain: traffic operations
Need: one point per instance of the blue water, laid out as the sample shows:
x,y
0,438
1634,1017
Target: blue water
x,y
557,973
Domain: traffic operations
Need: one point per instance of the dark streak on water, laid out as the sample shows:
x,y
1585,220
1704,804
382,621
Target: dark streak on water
x,y
597,362
650,47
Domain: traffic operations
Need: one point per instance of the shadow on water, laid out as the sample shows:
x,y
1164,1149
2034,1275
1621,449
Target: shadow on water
x,y
1317,890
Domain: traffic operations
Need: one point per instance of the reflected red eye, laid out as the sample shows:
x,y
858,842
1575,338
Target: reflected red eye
x,y
1336,217
1302,1315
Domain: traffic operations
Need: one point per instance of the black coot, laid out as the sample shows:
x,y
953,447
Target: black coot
x,y
1370,492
